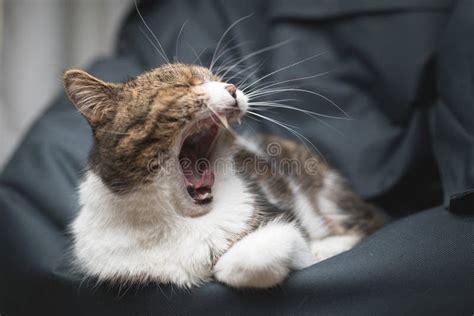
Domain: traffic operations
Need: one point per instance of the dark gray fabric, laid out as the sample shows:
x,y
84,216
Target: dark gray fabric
x,y
451,123
402,69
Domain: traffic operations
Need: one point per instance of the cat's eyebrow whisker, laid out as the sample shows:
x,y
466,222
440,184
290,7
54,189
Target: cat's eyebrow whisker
x,y
153,44
223,36
275,91
257,52
176,52
283,68
161,51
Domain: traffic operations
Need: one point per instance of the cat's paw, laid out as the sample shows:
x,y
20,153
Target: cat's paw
x,y
333,245
239,270
264,258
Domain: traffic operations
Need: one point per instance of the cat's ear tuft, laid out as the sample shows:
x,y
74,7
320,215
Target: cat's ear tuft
x,y
93,98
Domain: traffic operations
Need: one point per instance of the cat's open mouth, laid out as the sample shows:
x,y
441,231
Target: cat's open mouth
x,y
195,156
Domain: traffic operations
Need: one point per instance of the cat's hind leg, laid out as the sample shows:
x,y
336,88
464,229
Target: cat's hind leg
x,y
265,257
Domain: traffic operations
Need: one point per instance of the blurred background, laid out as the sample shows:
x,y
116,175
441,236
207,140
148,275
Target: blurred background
x,y
38,40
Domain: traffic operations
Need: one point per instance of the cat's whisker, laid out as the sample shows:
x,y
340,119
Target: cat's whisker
x,y
261,110
213,59
251,74
237,73
198,56
154,45
292,129
285,106
161,51
224,49
250,127
228,64
273,120
257,52
254,66
237,69
255,119
276,91
281,69
176,57
279,100
277,83
227,50
241,71
313,115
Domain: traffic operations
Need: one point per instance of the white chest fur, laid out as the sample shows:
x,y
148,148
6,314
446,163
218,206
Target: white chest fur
x,y
140,236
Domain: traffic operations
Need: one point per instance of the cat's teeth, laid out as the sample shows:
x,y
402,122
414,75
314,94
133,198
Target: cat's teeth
x,y
224,121
238,121
205,196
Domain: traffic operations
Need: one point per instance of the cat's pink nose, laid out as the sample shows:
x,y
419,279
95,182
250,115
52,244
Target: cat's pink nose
x,y
232,90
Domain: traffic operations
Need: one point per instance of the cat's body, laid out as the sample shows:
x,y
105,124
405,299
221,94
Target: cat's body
x,y
264,208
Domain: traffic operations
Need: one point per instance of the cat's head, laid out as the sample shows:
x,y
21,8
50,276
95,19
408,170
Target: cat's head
x,y
174,111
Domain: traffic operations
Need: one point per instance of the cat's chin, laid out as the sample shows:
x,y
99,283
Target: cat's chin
x,y
196,154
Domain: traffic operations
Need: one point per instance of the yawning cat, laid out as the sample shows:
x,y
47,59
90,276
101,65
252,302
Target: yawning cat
x,y
172,195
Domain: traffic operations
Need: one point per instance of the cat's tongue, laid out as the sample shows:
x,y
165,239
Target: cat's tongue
x,y
198,179
195,164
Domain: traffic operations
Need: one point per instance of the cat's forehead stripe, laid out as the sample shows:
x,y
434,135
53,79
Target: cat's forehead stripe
x,y
176,72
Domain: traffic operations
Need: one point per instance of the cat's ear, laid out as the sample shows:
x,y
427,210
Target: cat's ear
x,y
93,98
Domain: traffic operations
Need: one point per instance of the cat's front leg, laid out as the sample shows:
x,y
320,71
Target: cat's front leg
x,y
265,257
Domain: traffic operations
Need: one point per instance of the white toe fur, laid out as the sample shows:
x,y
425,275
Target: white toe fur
x,y
264,258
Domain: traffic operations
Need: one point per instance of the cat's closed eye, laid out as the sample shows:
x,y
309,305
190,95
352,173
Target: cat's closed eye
x,y
181,85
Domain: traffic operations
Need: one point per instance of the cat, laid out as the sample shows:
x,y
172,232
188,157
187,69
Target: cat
x,y
173,196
